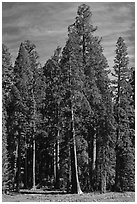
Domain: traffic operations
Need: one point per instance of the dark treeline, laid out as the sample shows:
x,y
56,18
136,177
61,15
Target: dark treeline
x,y
67,125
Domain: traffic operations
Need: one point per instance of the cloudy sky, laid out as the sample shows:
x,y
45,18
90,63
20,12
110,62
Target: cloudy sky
x,y
45,24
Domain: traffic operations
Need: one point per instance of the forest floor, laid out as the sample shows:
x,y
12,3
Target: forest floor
x,y
86,197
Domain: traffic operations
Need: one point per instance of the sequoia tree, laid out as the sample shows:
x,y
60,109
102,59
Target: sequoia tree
x,y
52,104
95,88
123,108
7,82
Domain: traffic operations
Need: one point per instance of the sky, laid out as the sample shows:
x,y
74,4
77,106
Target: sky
x,y
46,23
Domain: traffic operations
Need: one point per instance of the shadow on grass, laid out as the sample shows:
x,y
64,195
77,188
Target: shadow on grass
x,y
38,191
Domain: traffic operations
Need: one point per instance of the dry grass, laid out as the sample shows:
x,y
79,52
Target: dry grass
x,y
87,197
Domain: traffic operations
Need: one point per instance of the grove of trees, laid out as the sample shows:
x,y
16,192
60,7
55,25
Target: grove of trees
x,y
67,125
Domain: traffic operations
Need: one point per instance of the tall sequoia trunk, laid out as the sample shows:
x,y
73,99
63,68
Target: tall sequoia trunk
x,y
54,159
56,153
26,165
103,170
92,156
94,153
75,185
34,142
117,181
34,163
69,170
57,161
15,164
18,173
74,170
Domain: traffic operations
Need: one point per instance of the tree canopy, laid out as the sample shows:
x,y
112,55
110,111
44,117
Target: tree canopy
x,y
66,125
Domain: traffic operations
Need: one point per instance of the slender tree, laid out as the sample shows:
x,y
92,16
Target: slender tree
x,y
72,73
96,82
52,74
21,109
124,179
7,82
35,89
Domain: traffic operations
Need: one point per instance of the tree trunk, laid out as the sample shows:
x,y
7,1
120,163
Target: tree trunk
x,y
34,142
57,160
92,157
75,185
94,153
15,164
103,170
74,171
54,161
34,164
18,174
26,166
103,181
69,170
117,181
97,172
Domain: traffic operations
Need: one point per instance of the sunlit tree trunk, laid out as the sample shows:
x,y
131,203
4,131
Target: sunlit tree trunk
x,y
18,173
74,170
34,142
94,153
15,163
54,158
69,170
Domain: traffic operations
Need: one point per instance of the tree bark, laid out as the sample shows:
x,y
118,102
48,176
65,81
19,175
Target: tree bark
x,y
69,170
103,170
34,142
54,152
15,164
26,166
34,164
18,173
92,156
74,171
94,153
57,160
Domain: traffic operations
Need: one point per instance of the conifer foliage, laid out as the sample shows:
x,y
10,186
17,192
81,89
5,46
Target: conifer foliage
x,y
7,81
124,112
66,125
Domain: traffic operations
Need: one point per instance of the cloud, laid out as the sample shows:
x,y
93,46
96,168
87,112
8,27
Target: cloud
x,y
45,23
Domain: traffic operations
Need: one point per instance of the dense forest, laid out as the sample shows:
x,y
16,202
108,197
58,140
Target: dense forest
x,y
69,125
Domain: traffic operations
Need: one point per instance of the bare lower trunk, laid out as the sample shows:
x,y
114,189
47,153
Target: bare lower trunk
x,y
103,170
15,164
18,173
34,165
57,160
69,171
74,171
103,181
92,150
117,179
94,153
26,167
34,142
54,161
